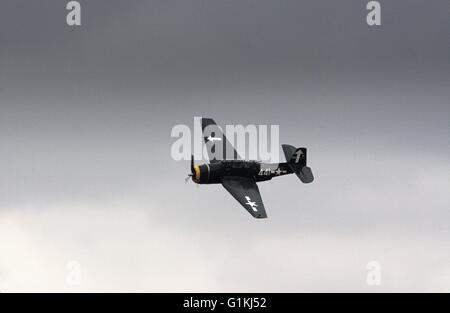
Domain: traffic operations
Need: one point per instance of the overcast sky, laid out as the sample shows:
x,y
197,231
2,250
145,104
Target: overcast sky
x,y
86,171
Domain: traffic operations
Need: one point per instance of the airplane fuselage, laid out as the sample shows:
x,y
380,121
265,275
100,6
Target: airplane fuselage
x,y
213,173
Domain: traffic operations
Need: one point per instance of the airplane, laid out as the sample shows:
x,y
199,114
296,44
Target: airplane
x,y
239,177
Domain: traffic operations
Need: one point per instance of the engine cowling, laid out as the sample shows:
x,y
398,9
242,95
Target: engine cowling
x,y
201,174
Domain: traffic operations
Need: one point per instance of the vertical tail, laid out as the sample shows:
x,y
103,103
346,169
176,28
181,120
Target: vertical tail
x,y
296,159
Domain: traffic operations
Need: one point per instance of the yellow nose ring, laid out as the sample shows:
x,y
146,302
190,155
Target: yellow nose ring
x,y
197,173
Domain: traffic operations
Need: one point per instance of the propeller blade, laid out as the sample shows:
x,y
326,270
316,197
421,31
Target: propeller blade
x,y
187,178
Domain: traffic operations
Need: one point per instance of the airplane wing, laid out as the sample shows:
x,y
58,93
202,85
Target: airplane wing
x,y
217,145
246,192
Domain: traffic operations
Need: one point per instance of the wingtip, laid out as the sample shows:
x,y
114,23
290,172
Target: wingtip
x,y
206,121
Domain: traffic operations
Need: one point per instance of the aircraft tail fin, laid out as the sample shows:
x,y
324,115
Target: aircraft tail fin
x,y
296,160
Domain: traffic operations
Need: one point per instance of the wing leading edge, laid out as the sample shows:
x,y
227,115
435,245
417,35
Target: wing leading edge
x,y
246,192
218,146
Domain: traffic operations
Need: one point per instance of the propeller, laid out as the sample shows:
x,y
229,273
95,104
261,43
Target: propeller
x,y
192,170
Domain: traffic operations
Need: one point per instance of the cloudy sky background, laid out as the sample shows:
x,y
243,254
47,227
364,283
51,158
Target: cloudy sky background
x,y
86,172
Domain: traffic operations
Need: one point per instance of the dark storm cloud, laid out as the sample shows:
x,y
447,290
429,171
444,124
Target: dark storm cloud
x,y
177,57
103,97
189,41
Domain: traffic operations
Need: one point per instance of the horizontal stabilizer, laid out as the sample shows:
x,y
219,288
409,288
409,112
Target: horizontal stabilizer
x,y
305,175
